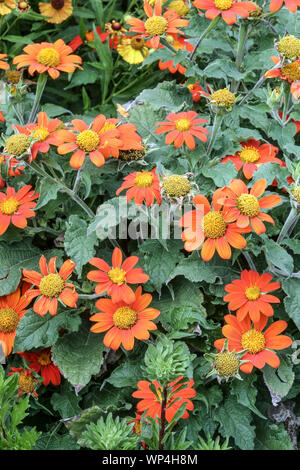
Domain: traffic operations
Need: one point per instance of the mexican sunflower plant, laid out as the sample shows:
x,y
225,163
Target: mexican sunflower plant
x,y
289,73
16,207
227,9
42,363
142,186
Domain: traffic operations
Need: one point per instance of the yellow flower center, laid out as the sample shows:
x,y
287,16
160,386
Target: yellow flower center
x,y
9,320
227,363
136,44
23,5
214,225
41,133
248,205
9,206
296,193
49,57
117,276
88,140
256,12
131,155
254,341
44,358
13,76
252,293
289,46
291,71
144,179
223,4
17,144
191,86
51,285
176,186
138,428
156,25
249,154
182,125
223,97
124,318
179,6
26,383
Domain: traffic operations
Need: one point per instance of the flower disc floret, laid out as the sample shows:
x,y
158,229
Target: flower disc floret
x,y
124,318
176,186
223,97
44,358
249,154
183,125
248,205
49,57
9,206
214,225
13,76
252,293
17,144
144,180
41,133
26,383
117,276
227,363
156,25
223,4
291,71
179,6
137,43
296,193
51,285
289,46
88,141
9,320
254,341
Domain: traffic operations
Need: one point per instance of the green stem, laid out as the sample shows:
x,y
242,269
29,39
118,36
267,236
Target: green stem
x,y
286,103
204,34
243,35
78,176
42,80
89,296
257,85
249,260
216,125
288,223
169,46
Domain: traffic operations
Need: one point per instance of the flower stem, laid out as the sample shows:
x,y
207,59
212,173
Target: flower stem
x,y
162,419
204,34
42,80
288,223
257,85
249,260
286,103
217,123
77,180
243,35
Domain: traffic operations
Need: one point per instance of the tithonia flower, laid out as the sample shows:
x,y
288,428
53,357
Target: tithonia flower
x,y
142,185
3,65
6,7
291,5
115,279
245,335
47,57
114,31
127,135
228,9
125,322
289,47
42,363
56,11
197,91
178,43
51,286
133,50
16,208
44,131
222,98
157,24
176,186
252,155
182,128
180,6
13,167
152,403
249,295
12,309
203,223
245,207
289,72
27,381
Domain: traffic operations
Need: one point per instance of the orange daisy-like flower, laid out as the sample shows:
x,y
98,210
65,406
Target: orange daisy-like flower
x,y
243,335
42,363
178,43
12,309
228,9
47,57
249,295
245,208
289,72
125,322
252,155
44,131
127,135
291,5
142,185
152,403
13,167
56,11
157,24
197,91
115,279
51,286
16,208
27,381
182,128
203,223
3,65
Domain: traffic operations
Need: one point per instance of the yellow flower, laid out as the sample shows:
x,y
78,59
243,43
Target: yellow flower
x,y
57,11
133,50
6,6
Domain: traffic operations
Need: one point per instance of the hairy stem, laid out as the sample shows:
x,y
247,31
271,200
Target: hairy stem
x,y
163,419
204,34
42,80
288,223
216,125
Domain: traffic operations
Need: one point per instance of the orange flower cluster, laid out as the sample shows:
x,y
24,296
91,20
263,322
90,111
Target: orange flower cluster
x,y
42,363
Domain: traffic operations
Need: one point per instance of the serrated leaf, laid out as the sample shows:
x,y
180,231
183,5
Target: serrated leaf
x,y
50,441
274,437
278,255
127,374
292,301
66,403
221,175
279,381
77,425
169,95
48,191
246,393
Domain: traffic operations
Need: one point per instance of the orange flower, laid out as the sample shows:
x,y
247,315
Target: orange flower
x,y
153,404
252,155
247,295
3,65
87,140
115,279
42,363
197,91
129,139
44,131
16,208
51,286
179,43
291,5
157,24
142,185
27,381
48,57
243,335
56,11
228,9
245,208
125,322
12,309
13,166
205,223
89,36
289,72
182,128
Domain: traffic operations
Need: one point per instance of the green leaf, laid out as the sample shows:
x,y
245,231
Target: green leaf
x,y
53,110
168,95
50,441
127,374
278,256
77,426
83,77
79,355
66,402
48,191
274,437
144,117
78,245
246,393
292,301
279,381
271,171
221,174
